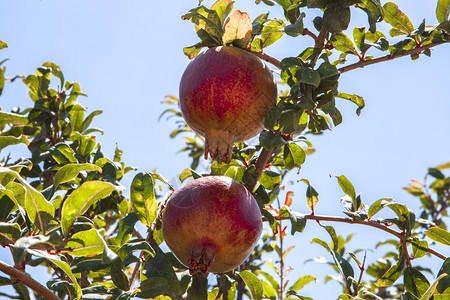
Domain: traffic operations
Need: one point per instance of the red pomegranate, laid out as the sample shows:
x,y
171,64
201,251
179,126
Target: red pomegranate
x,y
212,224
225,94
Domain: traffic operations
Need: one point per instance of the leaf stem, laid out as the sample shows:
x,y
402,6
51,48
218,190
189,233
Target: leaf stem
x,y
28,281
363,63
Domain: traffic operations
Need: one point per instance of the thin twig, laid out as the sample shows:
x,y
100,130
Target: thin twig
x,y
306,31
28,281
363,63
160,210
375,224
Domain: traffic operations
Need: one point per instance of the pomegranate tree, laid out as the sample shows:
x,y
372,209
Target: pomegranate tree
x,y
225,94
212,224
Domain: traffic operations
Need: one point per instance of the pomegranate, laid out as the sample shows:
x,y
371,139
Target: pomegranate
x,y
211,224
225,94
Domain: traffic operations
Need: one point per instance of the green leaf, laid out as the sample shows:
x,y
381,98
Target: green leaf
x,y
62,265
269,179
222,8
3,45
293,156
377,206
347,187
153,287
343,44
159,266
342,264
191,52
38,209
308,76
238,29
56,71
63,154
415,282
439,235
336,18
22,245
271,32
312,196
143,200
253,284
298,220
86,243
188,173
81,199
442,10
12,118
270,140
88,120
6,141
444,283
126,228
430,291
301,282
269,278
392,274
130,247
358,100
394,16
207,23
297,28
9,232
419,247
71,171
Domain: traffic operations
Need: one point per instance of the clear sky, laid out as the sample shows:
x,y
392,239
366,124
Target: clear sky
x,y
127,55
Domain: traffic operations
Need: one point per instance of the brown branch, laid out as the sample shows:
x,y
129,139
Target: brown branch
x,y
149,236
320,40
260,165
375,224
268,58
306,31
363,63
28,281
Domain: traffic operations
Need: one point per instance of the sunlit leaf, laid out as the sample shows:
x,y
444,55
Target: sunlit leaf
x,y
81,199
6,141
71,171
64,266
439,235
253,284
143,199
86,243
399,20
238,29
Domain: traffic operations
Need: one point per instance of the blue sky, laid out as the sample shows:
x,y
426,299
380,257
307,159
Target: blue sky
x,y
127,55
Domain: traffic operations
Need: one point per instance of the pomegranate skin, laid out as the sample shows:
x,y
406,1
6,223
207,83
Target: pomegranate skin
x,y
212,224
225,94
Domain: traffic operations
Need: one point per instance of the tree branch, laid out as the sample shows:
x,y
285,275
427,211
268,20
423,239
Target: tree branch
x,y
28,281
260,165
363,63
375,224
268,58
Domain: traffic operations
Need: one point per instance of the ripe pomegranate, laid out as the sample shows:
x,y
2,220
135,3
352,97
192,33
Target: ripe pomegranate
x,y
225,94
211,224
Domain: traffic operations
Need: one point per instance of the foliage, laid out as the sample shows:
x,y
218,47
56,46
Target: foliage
x,y
63,206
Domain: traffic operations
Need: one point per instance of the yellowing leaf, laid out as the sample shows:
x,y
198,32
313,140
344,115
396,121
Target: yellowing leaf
x,y
238,29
